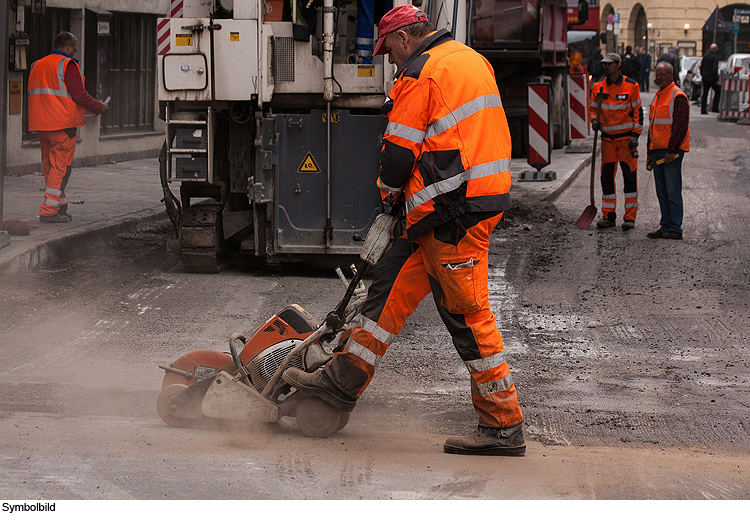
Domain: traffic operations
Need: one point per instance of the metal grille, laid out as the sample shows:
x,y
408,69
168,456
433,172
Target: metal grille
x,y
283,59
266,363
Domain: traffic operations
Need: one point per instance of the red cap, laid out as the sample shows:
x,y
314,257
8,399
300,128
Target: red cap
x,y
396,18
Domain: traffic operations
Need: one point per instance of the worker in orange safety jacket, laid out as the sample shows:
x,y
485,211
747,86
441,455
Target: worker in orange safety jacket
x,y
57,101
446,153
618,100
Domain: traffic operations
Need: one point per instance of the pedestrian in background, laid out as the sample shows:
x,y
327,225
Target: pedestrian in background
x,y
668,141
710,78
621,123
645,70
594,66
631,65
446,152
673,58
57,102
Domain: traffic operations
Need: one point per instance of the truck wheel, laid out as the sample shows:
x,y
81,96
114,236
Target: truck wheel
x,y
317,419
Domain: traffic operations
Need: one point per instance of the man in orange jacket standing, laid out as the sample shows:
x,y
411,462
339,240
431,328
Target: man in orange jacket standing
x,y
57,101
618,100
446,153
668,141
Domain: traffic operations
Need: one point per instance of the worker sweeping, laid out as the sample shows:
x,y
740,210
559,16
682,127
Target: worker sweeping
x,y
621,123
446,153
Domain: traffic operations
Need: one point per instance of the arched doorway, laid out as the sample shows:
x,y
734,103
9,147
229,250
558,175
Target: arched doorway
x,y
638,29
724,37
740,15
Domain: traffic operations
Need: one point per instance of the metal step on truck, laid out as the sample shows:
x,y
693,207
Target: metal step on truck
x,y
274,126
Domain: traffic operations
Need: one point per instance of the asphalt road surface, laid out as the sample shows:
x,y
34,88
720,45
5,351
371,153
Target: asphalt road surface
x,y
630,356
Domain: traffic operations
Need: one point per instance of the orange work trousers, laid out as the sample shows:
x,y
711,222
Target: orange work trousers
x,y
450,262
58,149
616,151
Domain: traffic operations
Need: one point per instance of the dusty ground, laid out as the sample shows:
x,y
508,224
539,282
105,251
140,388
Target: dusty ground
x,y
630,356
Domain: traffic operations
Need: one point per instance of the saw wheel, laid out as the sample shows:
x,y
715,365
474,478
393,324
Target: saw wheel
x,y
168,409
317,419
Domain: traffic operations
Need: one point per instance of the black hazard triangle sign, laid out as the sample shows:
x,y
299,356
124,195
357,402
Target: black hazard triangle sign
x,y
308,165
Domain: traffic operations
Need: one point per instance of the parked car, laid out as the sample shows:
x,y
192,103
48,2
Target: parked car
x,y
739,60
693,82
686,62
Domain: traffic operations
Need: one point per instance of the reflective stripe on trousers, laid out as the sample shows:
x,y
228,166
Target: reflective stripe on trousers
x,y
58,150
456,275
614,152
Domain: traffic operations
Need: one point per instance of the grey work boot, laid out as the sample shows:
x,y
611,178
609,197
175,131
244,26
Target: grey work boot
x,y
607,221
319,384
506,441
54,219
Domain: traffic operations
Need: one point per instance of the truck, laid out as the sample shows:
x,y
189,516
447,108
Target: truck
x,y
274,124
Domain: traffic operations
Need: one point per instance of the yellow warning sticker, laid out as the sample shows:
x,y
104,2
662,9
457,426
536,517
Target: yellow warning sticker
x,y
308,165
365,71
234,36
334,117
183,40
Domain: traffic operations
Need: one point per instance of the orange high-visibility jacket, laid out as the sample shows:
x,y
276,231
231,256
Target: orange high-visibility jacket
x,y
50,105
621,114
447,144
660,119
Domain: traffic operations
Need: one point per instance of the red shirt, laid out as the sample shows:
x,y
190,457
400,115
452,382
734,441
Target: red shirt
x,y
74,84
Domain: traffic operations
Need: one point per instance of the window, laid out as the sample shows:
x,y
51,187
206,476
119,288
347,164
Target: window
x,y
43,29
130,78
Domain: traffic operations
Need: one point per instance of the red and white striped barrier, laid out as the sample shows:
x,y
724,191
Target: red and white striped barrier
x,y
540,151
735,99
577,107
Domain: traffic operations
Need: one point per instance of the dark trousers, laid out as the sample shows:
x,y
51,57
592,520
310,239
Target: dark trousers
x,y
704,96
668,181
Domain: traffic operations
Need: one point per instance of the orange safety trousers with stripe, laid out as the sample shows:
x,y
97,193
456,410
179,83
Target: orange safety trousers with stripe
x,y
58,149
616,151
456,273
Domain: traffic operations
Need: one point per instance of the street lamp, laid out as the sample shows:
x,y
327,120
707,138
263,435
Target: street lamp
x,y
686,27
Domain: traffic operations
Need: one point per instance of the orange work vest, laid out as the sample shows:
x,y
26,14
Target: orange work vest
x,y
660,119
620,114
447,136
50,105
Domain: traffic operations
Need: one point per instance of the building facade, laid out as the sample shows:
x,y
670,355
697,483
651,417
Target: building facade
x,y
659,25
117,55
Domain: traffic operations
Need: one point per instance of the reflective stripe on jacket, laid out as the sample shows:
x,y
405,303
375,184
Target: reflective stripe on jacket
x,y
660,119
50,105
447,144
621,114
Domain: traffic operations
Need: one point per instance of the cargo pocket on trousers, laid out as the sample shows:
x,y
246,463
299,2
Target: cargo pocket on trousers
x,y
458,281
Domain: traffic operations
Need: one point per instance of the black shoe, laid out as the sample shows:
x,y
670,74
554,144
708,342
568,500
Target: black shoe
x,y
506,441
318,384
672,235
627,225
606,221
54,219
704,113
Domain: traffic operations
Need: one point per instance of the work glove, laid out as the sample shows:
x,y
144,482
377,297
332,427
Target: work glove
x,y
596,125
633,143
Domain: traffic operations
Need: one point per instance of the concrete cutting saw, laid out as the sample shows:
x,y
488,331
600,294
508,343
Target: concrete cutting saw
x,y
245,384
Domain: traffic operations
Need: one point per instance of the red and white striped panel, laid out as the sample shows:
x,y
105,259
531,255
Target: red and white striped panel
x,y
175,9
577,108
539,136
162,36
